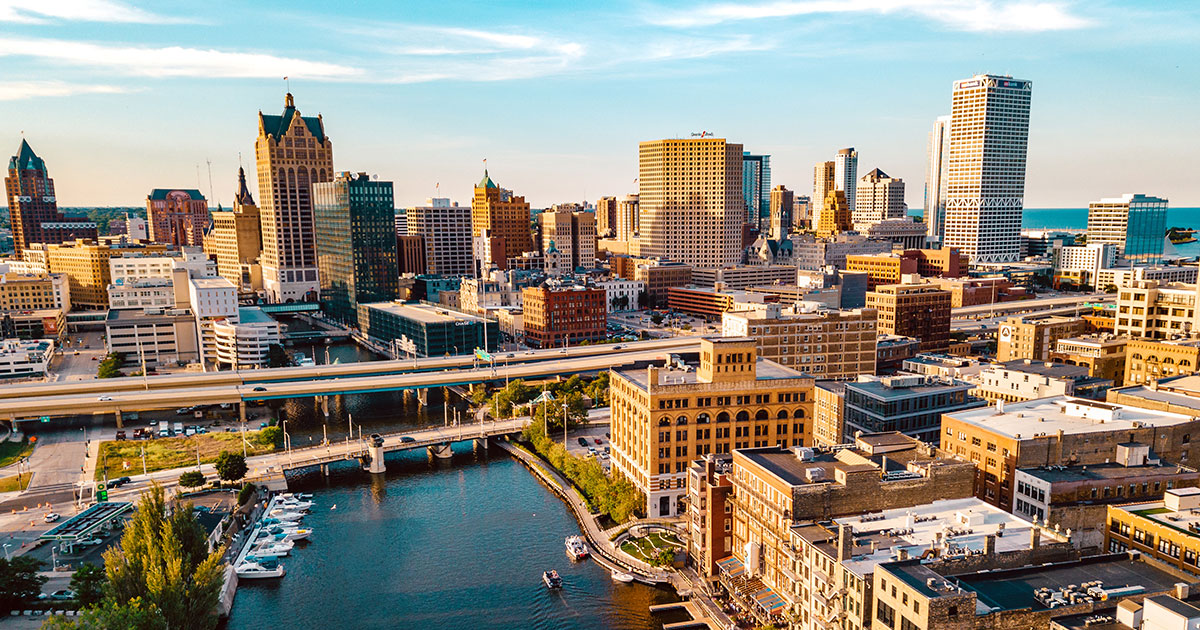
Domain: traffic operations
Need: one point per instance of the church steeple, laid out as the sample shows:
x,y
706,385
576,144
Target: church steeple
x,y
243,197
288,101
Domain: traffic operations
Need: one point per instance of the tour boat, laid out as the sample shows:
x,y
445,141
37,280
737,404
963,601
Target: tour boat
x,y
624,578
259,568
552,580
576,548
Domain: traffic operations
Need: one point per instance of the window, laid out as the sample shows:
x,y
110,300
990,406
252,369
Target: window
x,y
885,614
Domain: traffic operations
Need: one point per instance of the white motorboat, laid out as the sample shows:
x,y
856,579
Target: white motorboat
x,y
259,568
288,533
273,548
576,548
294,505
552,579
624,578
284,514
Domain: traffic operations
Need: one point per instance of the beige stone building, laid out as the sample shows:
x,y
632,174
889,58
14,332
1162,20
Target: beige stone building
x,y
834,216
826,343
1103,355
823,174
1034,336
1150,360
86,266
34,292
829,408
663,418
1156,310
235,240
878,198
573,234
502,216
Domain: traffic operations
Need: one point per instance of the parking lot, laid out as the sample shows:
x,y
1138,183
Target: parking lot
x,y
596,438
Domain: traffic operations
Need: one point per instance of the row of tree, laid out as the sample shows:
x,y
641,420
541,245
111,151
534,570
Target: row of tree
x,y
110,366
616,497
514,398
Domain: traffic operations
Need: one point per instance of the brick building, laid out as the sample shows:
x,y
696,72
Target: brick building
x,y
177,216
560,316
913,309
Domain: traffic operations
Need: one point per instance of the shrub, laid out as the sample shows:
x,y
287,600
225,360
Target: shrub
x,y
246,494
192,479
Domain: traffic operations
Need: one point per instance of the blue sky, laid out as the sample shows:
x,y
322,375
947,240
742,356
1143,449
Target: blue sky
x,y
123,96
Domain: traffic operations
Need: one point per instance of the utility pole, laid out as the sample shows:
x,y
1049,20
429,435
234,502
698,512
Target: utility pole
x,y
147,473
564,422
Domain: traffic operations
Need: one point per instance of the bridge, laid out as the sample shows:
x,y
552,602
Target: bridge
x,y
26,403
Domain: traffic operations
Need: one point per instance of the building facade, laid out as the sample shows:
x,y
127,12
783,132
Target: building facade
x,y
921,311
235,240
937,151
434,331
1034,336
177,216
845,174
1134,223
33,207
498,214
573,234
560,316
912,405
1156,310
756,189
878,197
834,217
87,267
445,229
826,343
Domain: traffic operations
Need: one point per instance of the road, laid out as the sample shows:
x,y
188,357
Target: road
x,y
78,367
1033,305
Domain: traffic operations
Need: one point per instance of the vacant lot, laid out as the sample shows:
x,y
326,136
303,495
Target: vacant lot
x,y
12,484
125,457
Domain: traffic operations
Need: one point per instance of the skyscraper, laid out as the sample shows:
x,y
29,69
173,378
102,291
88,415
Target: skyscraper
x,y
356,245
177,216
235,240
504,216
574,235
445,229
606,216
834,216
938,152
1135,223
293,153
690,193
822,184
782,205
989,135
627,218
756,188
878,198
33,208
845,173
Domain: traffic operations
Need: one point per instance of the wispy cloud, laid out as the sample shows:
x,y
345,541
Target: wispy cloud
x,y
172,61
43,11
21,90
967,15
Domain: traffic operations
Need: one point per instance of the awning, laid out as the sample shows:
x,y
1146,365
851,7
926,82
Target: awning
x,y
731,566
770,600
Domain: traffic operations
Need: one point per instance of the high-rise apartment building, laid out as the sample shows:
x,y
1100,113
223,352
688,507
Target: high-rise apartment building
x,y
33,208
356,245
504,216
690,192
235,240
921,311
835,216
177,216
293,153
783,206
822,183
938,159
989,135
756,188
445,229
827,343
878,198
606,216
627,218
845,173
1135,223
573,234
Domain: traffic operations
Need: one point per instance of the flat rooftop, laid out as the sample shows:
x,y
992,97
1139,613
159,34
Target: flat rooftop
x,y
253,315
1047,368
212,283
1068,414
1186,521
1181,391
1099,472
880,389
423,312
765,370
135,315
820,464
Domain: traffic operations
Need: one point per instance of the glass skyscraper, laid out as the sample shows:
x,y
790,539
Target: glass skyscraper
x,y
756,189
1136,224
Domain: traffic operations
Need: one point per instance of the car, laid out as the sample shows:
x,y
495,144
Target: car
x,y
183,411
201,430
603,455
408,439
583,442
599,441
607,435
76,353
617,347
606,450
59,595
530,352
189,431
104,398
120,435
562,351
262,425
89,542
51,517
95,358
260,389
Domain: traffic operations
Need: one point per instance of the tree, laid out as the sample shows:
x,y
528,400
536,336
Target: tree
x,y
656,319
478,394
277,356
19,581
269,436
135,615
110,366
597,390
231,466
163,559
88,583
192,479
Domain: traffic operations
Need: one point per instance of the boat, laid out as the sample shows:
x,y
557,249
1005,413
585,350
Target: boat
x,y
576,548
289,533
293,504
285,515
552,580
624,578
302,496
273,548
259,568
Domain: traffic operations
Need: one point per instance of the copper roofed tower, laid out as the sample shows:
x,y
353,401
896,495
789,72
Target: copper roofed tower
x,y
32,206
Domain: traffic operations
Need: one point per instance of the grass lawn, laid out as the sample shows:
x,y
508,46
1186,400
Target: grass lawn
x,y
10,484
176,452
11,451
643,548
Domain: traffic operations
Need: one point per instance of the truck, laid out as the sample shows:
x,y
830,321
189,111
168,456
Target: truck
x,y
177,428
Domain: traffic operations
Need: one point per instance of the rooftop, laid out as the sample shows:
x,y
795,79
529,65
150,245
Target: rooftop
x,y
1181,391
1100,472
765,370
1048,368
896,387
423,312
875,452
147,315
253,315
1063,413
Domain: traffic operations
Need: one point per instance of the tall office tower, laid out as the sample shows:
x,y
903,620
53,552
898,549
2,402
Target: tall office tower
x,y
822,184
782,205
834,216
989,135
877,199
177,216
756,188
1134,223
606,216
504,216
293,153
573,234
802,211
32,207
938,151
445,229
845,173
627,218
235,240
356,245
692,210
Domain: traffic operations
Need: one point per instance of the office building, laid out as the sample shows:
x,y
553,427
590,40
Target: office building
x,y
989,134
937,153
177,216
738,277
558,316
503,217
906,232
1034,336
628,212
826,343
292,154
34,292
1120,277
1024,379
1037,243
782,209
882,268
912,405
823,174
1156,310
913,309
435,331
606,216
756,189
142,293
1166,530
33,208
47,323
878,197
87,267
212,301
244,342
834,216
829,408
664,417
235,240
574,236
815,254
21,358
845,174
153,337
410,255
356,245
445,229
690,195
498,290
1080,265
623,295
1134,223
891,351
1103,355
1150,360
802,212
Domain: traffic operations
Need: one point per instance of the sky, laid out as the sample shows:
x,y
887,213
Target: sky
x,y
123,96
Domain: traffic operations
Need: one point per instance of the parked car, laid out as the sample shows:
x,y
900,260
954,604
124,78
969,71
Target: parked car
x,y
599,441
51,517
120,435
583,442
189,431
201,430
59,595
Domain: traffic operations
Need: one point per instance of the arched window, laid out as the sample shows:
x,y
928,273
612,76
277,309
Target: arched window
x,y
723,416
743,416
681,420
782,415
799,413
1137,355
702,418
762,415
664,421
1185,363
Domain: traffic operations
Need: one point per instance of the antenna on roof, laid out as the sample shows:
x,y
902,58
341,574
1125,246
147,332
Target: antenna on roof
x,y
210,186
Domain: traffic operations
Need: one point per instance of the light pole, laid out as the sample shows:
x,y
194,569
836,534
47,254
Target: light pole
x,y
6,554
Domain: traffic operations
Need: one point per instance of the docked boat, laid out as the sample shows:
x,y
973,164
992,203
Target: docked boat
x,y
300,496
289,533
253,567
624,578
273,548
552,579
576,548
293,504
285,515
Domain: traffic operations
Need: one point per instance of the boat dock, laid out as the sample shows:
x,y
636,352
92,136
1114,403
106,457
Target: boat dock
x,y
700,618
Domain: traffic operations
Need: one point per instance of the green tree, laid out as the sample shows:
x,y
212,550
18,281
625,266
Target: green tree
x,y
135,615
230,466
479,394
110,366
19,581
88,583
278,357
269,435
246,493
656,319
597,390
553,411
192,479
163,559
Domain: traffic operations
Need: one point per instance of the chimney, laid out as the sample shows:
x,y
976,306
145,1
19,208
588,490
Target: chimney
x,y
1035,537
989,544
845,542
1182,590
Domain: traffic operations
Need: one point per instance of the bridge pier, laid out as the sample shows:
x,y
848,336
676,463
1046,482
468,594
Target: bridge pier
x,y
242,411
440,451
376,465
120,420
481,443
323,401
423,397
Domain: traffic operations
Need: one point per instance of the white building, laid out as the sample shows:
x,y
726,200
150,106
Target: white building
x,y
446,229
907,232
22,358
985,197
938,158
622,295
845,174
1088,259
133,266
156,336
878,198
142,293
812,254
498,290
246,342
1121,277
1134,223
742,276
212,300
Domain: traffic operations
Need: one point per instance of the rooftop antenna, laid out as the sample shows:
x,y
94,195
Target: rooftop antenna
x,y
210,186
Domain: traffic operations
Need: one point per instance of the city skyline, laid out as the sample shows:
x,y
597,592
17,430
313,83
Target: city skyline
x,y
422,96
